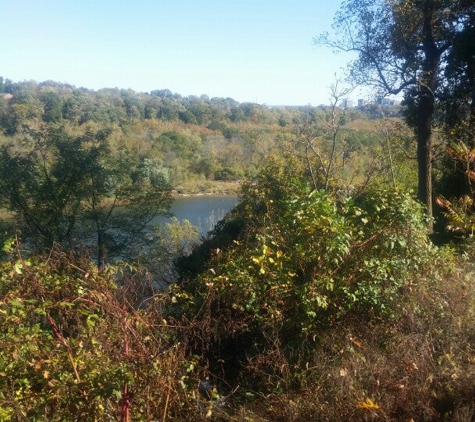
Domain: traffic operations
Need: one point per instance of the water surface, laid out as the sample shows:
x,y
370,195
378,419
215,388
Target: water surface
x,y
203,211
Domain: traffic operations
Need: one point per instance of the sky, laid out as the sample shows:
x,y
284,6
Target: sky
x,y
250,50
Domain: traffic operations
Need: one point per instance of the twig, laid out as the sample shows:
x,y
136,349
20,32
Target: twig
x,y
166,402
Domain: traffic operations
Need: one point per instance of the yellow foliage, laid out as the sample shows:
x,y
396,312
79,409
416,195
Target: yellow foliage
x,y
368,404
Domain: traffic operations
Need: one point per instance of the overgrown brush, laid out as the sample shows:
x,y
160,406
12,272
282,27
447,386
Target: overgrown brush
x,y
336,310
305,261
418,366
81,344
306,308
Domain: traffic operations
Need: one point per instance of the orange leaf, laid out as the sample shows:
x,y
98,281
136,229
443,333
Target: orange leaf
x,y
356,342
452,152
442,202
367,404
471,174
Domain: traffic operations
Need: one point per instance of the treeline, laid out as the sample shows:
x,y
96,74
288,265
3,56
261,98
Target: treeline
x,y
53,101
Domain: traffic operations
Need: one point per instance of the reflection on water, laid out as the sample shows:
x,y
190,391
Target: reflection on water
x,y
202,211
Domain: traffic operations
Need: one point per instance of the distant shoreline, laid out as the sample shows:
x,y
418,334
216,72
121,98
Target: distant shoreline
x,y
208,189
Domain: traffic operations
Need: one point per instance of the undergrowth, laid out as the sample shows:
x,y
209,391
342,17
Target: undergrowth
x,y
312,309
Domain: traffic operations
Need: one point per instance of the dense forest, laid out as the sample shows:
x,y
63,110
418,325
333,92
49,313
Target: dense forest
x,y
340,288
194,139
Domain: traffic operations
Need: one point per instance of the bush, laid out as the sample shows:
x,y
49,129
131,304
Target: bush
x,y
78,344
228,174
328,310
305,262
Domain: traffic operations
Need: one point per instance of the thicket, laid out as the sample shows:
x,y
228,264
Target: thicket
x,y
328,309
78,344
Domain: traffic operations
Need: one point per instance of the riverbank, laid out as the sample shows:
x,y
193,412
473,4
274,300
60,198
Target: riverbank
x,y
207,187
199,188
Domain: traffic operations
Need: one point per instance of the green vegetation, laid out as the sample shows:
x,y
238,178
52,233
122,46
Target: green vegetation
x,y
74,346
328,293
323,309
196,139
305,306
63,188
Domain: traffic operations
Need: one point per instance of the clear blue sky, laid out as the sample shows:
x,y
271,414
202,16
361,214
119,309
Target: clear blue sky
x,y
260,50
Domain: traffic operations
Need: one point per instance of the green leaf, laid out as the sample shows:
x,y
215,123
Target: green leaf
x,y
16,303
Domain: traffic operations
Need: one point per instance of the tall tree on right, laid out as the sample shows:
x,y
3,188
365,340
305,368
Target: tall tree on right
x,y
402,47
459,91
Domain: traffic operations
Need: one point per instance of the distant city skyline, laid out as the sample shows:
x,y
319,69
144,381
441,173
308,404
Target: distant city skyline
x,y
250,51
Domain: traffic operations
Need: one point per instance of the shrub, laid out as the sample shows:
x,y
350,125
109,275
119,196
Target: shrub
x,y
75,348
304,263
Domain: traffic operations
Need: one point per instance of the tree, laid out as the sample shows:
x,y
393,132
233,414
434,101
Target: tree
x,y
23,107
42,186
458,95
69,189
53,106
133,104
402,45
123,195
458,103
322,143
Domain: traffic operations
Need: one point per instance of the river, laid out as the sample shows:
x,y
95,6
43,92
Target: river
x,y
203,211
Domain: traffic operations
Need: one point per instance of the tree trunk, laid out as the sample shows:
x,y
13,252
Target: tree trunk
x,y
424,152
427,87
472,103
100,249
